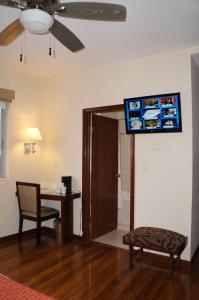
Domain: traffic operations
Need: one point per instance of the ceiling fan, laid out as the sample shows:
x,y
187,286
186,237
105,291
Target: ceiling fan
x,y
37,17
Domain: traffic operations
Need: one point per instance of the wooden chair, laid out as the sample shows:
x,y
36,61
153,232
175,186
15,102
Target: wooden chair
x,y
30,207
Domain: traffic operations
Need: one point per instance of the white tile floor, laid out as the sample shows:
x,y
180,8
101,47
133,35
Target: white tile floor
x,y
113,238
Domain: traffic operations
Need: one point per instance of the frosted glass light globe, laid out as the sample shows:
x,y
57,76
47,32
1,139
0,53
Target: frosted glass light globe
x,y
36,21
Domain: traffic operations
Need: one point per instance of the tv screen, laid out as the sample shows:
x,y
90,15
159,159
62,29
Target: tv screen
x,y
150,114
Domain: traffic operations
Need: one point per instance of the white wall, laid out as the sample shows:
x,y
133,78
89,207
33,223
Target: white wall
x,y
25,111
163,192
195,199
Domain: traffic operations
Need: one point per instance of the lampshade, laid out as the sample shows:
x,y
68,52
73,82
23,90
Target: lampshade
x,y
36,21
33,134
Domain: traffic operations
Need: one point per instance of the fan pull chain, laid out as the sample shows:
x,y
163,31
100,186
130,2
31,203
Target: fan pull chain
x,y
50,48
54,46
24,40
22,54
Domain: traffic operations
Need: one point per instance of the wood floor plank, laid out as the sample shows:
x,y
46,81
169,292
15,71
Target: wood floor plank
x,y
92,272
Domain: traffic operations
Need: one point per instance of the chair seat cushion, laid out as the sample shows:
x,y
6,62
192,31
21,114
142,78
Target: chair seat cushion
x,y
157,239
45,212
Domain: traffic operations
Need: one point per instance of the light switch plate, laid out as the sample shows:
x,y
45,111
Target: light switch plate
x,y
156,147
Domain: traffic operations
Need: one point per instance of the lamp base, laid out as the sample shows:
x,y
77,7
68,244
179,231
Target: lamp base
x,y
29,147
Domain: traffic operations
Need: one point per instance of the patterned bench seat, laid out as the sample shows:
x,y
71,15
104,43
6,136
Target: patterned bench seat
x,y
157,239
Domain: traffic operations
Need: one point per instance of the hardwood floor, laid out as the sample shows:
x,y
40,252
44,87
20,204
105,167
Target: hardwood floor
x,y
93,271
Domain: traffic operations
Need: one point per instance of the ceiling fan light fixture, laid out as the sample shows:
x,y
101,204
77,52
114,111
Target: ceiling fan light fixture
x,y
36,21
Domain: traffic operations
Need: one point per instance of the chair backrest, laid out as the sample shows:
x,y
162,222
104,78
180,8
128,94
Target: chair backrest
x,y
28,196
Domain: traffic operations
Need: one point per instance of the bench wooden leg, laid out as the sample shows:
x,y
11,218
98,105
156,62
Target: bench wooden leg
x,y
175,260
130,255
133,252
141,251
172,262
179,262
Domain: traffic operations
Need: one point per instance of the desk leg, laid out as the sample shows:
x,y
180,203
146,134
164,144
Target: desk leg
x,y
66,221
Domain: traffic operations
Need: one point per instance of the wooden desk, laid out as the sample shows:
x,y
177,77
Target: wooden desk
x,y
66,211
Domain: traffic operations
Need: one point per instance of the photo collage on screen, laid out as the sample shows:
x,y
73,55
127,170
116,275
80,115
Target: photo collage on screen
x,y
154,113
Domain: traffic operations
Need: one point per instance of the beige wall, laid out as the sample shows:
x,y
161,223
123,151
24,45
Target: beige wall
x,y
163,183
25,111
195,201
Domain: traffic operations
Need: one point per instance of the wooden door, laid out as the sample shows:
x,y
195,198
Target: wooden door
x,y
104,170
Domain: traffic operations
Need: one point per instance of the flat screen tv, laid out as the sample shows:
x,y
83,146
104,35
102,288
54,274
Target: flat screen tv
x,y
150,114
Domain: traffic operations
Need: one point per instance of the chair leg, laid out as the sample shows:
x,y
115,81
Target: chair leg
x,y
38,233
20,227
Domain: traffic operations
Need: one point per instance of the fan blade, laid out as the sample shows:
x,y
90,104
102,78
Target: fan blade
x,y
92,11
9,3
10,33
66,37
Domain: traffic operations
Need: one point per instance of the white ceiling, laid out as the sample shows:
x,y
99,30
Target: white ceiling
x,y
152,26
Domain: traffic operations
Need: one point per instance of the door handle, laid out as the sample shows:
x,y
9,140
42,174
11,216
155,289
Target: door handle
x,y
117,175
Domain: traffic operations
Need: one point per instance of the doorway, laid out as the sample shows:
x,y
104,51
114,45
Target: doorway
x,y
93,191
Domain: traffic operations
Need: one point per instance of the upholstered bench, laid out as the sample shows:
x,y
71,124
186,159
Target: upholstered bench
x,y
156,239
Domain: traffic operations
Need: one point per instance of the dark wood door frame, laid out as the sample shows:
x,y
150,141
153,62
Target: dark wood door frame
x,y
86,166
